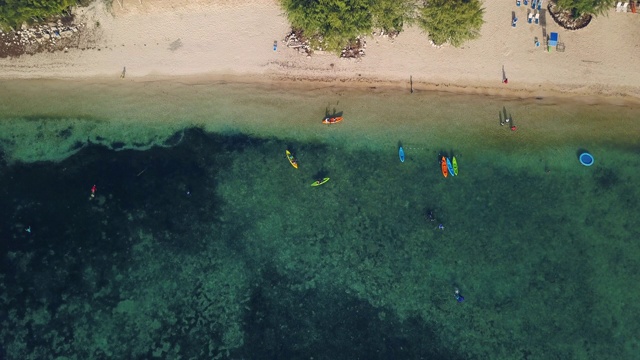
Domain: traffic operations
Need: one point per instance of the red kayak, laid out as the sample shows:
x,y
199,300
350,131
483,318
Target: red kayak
x,y
332,120
445,168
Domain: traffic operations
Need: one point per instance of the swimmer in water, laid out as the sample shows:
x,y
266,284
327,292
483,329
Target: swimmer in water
x,y
430,216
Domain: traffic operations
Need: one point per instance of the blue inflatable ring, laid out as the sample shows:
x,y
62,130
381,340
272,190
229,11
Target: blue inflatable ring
x,y
586,159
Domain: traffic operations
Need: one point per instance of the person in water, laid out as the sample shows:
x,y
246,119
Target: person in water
x,y
458,296
430,216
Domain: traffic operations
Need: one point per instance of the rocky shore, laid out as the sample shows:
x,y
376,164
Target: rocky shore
x,y
51,36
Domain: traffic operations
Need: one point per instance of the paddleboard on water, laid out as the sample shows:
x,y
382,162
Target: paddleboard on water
x,y
450,167
401,154
443,165
455,166
320,182
292,160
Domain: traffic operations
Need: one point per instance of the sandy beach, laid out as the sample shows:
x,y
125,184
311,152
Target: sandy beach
x,y
187,39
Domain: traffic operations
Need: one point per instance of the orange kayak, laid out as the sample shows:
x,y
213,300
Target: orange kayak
x,y
443,165
332,120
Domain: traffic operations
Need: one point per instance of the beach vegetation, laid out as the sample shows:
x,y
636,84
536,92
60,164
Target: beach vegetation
x,y
451,21
390,16
333,25
329,24
14,13
583,7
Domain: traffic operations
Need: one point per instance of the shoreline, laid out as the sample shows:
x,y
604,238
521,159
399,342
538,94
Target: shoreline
x,y
359,84
233,40
45,119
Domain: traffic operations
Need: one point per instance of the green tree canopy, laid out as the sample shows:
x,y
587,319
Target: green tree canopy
x,y
392,15
15,12
452,21
581,7
332,24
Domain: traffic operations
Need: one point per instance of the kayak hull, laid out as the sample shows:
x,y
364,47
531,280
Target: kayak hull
x,y
291,159
332,120
455,166
444,167
450,167
320,182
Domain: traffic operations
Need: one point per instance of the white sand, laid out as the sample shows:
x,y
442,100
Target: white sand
x,y
155,38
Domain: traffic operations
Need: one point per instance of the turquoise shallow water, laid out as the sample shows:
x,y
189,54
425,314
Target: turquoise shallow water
x,y
206,243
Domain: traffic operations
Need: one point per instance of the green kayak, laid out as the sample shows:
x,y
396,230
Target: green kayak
x,y
320,182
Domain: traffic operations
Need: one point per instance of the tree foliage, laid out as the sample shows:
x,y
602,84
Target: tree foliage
x,y
452,21
15,12
333,24
581,7
391,16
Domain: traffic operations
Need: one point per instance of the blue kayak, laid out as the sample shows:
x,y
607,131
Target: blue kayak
x,y
401,154
450,167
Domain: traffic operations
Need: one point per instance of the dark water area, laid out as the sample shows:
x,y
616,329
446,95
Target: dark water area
x,y
66,257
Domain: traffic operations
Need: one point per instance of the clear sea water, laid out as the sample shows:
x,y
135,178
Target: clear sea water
x,y
203,242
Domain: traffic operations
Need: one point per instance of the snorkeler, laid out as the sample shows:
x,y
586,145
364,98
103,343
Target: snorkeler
x,y
430,216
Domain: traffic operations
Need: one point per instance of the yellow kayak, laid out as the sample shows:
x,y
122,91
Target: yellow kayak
x,y
292,160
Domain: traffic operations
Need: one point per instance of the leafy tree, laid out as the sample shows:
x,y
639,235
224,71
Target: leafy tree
x,y
15,12
581,7
392,15
329,23
452,21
